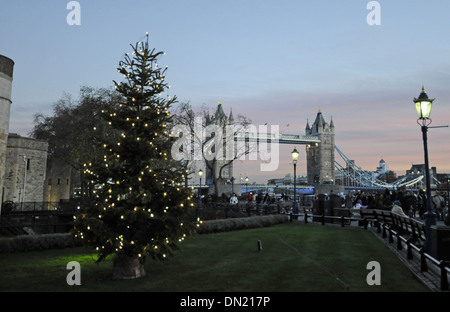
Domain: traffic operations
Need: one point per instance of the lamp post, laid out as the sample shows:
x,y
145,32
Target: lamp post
x,y
232,186
24,178
448,192
423,106
295,155
200,173
246,184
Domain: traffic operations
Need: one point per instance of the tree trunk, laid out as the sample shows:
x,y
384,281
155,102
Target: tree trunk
x,y
126,267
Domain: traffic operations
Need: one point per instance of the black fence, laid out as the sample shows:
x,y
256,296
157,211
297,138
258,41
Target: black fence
x,y
35,222
9,206
57,217
37,217
211,211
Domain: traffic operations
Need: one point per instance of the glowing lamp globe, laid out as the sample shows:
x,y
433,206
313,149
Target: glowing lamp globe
x,y
423,105
295,154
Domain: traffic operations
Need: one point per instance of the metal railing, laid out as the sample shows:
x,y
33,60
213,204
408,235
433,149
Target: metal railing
x,y
391,231
39,206
36,217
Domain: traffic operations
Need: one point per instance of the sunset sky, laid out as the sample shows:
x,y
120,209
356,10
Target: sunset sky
x,y
276,62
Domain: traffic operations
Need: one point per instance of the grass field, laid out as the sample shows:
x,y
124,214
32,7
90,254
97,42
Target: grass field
x,y
294,258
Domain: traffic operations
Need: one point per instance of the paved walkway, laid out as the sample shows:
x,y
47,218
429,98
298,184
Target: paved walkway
x,y
431,278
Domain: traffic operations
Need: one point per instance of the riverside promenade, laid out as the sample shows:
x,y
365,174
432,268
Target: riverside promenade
x,y
435,274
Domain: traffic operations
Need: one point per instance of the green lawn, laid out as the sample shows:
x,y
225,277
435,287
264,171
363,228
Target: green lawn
x,y
295,257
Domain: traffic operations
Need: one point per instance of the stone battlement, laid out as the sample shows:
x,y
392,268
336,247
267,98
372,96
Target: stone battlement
x,y
17,141
6,66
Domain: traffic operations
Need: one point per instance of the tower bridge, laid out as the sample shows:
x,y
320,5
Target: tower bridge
x,y
319,141
282,138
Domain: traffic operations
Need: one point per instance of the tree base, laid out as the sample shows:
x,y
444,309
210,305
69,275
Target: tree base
x,y
125,267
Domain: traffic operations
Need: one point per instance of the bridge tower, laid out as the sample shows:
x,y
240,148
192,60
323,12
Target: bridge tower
x,y
6,77
320,156
220,119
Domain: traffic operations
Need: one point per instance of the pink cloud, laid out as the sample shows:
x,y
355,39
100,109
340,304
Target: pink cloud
x,y
369,126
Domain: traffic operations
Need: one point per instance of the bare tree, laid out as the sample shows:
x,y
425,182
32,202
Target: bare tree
x,y
72,128
210,144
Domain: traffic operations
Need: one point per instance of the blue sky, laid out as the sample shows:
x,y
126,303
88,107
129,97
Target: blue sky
x,y
273,61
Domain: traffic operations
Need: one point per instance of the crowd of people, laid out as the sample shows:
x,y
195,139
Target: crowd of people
x,y
404,202
257,197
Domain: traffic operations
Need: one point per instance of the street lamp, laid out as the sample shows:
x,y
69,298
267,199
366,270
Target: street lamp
x,y
246,184
423,106
232,186
295,155
447,202
200,173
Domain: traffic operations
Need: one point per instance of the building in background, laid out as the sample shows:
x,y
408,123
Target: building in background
x,y
221,120
6,78
320,157
26,162
23,161
383,168
419,169
59,186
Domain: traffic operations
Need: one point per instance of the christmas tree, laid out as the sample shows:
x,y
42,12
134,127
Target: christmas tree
x,y
139,204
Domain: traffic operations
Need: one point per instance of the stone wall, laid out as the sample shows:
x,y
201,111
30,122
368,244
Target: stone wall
x,y
6,77
58,186
26,162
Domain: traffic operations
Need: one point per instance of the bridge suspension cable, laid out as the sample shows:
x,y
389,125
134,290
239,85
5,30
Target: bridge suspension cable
x,y
366,179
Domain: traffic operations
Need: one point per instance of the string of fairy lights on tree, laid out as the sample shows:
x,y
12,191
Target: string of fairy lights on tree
x,y
139,202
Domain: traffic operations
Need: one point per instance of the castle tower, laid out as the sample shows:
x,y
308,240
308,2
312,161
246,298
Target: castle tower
x,y
320,156
220,119
6,78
